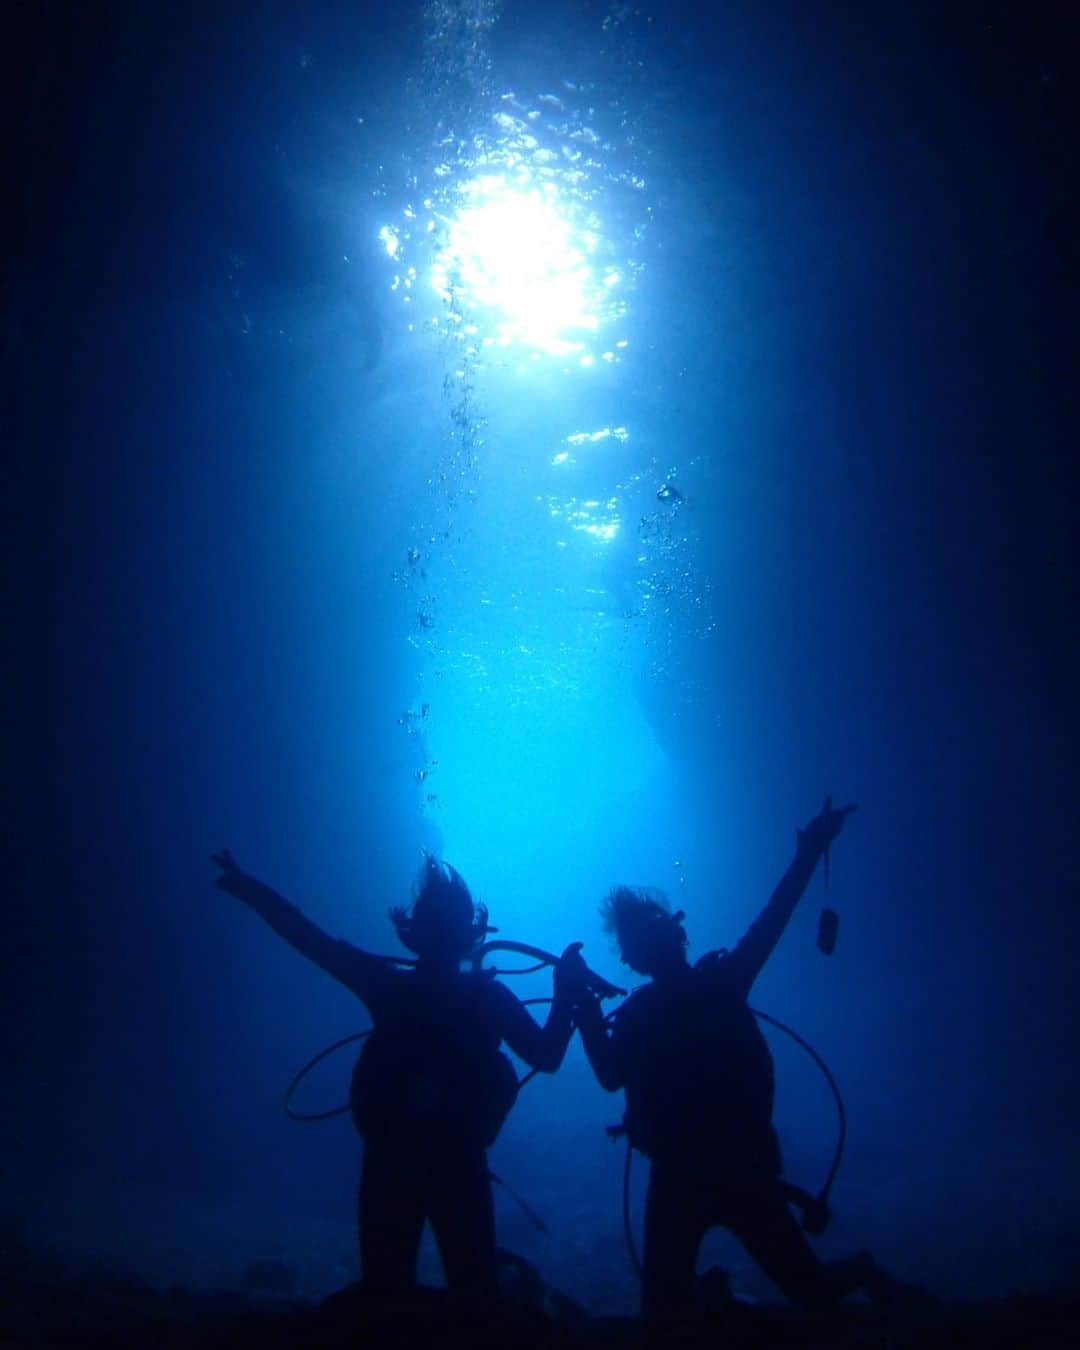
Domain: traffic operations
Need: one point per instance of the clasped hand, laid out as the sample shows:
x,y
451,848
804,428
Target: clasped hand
x,y
572,975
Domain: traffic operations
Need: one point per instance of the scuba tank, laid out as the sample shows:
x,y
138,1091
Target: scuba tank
x,y
390,1093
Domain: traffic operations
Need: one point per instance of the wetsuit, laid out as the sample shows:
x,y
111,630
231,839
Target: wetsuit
x,y
698,1077
425,1097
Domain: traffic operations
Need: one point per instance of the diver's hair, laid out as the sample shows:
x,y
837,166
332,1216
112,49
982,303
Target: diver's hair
x,y
624,904
440,886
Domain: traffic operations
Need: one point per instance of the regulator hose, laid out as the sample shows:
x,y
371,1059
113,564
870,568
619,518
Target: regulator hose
x,y
628,1227
307,1117
541,958
815,1208
818,1214
596,983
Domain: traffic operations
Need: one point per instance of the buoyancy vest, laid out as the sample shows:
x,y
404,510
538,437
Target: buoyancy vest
x,y
428,1076
699,1075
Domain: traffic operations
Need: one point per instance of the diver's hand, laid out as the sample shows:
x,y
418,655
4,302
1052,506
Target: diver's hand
x,y
572,975
230,872
823,829
588,1014
574,980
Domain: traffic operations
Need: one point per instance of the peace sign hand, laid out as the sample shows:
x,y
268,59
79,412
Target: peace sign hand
x,y
825,826
229,869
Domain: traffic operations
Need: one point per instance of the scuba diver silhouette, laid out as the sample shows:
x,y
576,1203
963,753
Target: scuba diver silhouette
x,y
431,1088
699,1080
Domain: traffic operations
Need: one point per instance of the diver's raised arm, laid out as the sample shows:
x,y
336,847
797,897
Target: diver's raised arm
x,y
765,932
357,969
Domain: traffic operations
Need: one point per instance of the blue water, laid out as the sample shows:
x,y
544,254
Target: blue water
x,y
332,544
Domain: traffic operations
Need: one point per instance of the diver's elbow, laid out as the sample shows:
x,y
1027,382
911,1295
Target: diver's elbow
x,y
551,1062
543,1060
607,1078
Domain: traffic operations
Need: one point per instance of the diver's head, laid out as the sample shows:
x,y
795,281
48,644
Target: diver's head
x,y
443,921
651,938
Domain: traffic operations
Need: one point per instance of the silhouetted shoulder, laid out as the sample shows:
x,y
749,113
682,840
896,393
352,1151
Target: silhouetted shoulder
x,y
729,974
716,963
720,970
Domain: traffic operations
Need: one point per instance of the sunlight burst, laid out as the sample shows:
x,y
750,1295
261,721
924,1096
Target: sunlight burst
x,y
518,268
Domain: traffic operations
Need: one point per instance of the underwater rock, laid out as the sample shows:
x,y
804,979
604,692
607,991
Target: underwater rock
x,y
269,1277
116,1312
429,1317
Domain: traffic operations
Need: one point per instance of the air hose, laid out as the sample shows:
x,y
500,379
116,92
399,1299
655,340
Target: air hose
x,y
816,1212
596,983
541,958
310,1117
815,1207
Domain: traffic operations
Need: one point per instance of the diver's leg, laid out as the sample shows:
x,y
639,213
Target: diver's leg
x,y
860,1271
391,1216
675,1223
462,1214
763,1222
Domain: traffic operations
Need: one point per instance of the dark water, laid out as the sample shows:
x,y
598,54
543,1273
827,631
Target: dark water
x,y
298,563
